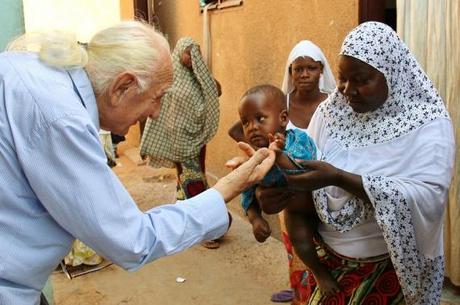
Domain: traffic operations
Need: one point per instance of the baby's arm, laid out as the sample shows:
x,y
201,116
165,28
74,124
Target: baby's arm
x,y
277,143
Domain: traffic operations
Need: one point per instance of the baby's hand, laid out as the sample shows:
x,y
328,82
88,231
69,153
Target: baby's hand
x,y
277,142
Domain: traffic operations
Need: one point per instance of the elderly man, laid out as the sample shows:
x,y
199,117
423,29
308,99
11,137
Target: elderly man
x,y
55,185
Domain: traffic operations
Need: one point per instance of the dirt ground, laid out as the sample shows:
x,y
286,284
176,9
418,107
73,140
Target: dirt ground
x,y
241,271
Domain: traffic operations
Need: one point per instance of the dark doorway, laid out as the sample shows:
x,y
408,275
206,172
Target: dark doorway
x,y
378,10
141,9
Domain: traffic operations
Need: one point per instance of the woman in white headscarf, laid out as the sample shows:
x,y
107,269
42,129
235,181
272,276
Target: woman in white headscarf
x,y
308,81
380,190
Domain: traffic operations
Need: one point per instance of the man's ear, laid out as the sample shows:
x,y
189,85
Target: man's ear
x,y
284,119
120,85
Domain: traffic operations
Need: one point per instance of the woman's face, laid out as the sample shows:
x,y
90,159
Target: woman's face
x,y
305,73
364,87
186,58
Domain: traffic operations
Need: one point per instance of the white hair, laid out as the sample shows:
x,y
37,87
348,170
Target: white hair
x,y
129,46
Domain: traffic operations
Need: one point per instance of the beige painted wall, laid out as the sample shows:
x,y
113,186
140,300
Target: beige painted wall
x,y
250,45
126,9
133,136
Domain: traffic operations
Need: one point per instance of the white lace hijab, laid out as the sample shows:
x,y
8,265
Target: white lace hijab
x,y
306,48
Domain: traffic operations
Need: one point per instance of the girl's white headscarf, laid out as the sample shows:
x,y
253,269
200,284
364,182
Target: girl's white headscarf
x,y
303,49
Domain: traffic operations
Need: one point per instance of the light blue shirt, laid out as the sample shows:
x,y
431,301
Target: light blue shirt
x,y
55,185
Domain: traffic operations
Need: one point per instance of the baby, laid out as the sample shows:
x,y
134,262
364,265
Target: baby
x,y
264,117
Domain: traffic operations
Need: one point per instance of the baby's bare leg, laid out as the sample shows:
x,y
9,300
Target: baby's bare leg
x,y
301,227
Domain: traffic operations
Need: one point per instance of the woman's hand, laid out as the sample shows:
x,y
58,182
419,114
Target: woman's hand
x,y
319,174
273,200
245,173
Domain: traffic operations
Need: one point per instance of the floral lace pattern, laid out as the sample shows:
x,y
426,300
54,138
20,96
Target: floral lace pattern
x,y
351,214
420,277
412,99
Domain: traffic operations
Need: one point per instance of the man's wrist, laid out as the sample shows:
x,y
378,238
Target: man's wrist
x,y
223,186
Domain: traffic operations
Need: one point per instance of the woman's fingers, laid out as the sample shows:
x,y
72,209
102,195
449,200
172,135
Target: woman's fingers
x,y
273,200
302,182
307,164
318,174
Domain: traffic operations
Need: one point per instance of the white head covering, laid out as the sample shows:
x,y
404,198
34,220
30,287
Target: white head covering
x,y
412,99
303,49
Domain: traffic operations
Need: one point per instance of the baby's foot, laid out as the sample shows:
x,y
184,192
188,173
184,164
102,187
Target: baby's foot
x,y
327,284
261,229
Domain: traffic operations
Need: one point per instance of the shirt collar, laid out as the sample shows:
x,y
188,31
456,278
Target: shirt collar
x,y
85,91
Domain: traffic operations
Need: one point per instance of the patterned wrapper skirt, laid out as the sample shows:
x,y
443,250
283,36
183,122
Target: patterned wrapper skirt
x,y
370,281
191,176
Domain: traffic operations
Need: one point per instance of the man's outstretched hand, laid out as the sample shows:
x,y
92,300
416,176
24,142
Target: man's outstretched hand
x,y
246,171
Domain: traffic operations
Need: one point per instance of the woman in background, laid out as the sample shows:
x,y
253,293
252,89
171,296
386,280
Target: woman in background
x,y
308,81
188,120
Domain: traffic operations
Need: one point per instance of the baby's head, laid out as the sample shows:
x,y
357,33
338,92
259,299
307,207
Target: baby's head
x,y
262,111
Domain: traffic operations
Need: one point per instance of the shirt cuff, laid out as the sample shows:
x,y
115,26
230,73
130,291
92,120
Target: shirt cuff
x,y
210,207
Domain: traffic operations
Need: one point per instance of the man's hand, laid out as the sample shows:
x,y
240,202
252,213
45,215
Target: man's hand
x,y
245,173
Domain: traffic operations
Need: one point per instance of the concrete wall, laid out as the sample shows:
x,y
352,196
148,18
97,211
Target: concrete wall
x,y
250,45
11,21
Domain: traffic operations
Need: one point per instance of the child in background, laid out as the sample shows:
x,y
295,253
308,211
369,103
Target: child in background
x,y
264,117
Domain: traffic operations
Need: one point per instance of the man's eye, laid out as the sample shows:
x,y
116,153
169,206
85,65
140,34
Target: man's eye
x,y
298,70
261,119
